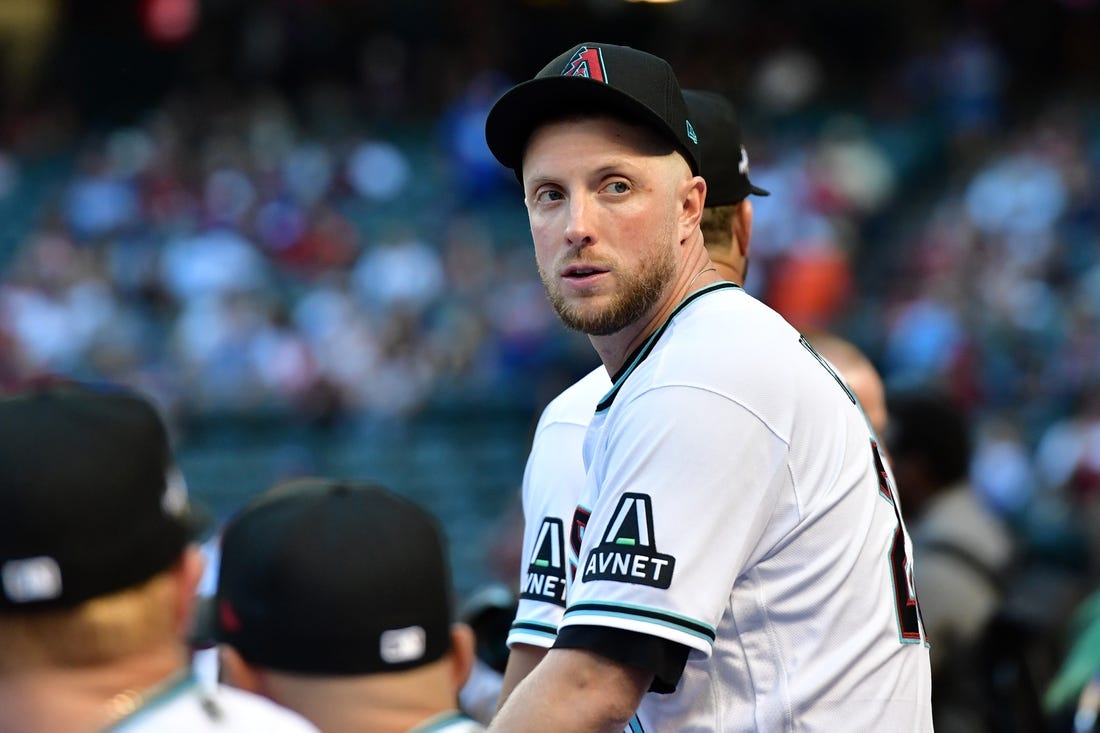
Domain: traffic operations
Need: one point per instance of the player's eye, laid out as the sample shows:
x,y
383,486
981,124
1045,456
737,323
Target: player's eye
x,y
617,187
548,195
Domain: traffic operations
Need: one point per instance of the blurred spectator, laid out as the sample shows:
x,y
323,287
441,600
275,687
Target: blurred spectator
x,y
100,199
923,342
1001,469
850,171
971,81
858,371
811,284
400,271
215,262
1068,459
962,552
476,173
1073,697
787,78
377,170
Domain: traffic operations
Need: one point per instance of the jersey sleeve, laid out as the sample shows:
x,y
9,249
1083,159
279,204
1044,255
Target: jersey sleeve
x,y
552,482
685,484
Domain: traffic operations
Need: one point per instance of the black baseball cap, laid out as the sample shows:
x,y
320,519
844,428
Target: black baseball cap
x,y
90,499
598,77
329,577
725,161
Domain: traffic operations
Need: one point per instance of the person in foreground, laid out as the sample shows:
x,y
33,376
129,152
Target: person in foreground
x,y
334,599
97,575
736,560
554,475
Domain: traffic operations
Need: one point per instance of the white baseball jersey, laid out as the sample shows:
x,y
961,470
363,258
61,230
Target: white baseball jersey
x,y
452,721
735,503
190,707
552,482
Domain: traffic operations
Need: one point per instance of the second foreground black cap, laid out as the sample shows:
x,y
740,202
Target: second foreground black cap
x,y
725,161
334,578
596,77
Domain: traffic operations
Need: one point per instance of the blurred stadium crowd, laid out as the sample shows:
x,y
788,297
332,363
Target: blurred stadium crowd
x,y
345,244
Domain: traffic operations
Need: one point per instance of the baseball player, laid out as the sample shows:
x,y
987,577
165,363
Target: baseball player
x,y
740,559
362,645
554,474
97,575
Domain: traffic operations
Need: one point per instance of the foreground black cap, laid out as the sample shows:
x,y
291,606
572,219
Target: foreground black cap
x,y
90,502
725,161
593,77
331,578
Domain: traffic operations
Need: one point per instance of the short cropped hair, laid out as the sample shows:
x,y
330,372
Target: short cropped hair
x,y
717,226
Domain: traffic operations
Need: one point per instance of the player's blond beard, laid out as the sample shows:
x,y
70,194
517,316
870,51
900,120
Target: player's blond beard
x,y
637,294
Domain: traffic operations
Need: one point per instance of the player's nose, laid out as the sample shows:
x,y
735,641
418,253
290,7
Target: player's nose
x,y
579,227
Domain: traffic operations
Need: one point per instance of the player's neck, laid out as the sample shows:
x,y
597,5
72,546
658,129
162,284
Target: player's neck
x,y
696,272
80,700
730,272
383,703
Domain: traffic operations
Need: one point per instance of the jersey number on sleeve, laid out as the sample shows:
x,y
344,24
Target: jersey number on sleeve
x,y
905,598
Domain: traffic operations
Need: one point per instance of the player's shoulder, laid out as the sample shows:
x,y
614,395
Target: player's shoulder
x,y
734,348
197,709
449,722
726,336
254,710
732,312
577,402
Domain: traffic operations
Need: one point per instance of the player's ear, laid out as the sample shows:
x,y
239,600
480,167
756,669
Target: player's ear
x,y
236,672
742,225
186,574
462,653
694,194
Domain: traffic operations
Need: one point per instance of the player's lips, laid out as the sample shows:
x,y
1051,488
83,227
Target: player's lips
x,y
582,272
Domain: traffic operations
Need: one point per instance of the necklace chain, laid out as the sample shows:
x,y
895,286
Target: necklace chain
x,y
709,268
126,703
123,704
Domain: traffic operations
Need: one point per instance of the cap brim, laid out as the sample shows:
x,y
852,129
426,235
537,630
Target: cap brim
x,y
526,106
757,191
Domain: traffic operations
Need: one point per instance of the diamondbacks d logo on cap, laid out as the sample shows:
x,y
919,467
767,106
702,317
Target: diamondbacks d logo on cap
x,y
628,552
545,579
586,62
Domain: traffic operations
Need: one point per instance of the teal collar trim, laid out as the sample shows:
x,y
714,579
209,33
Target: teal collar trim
x,y
648,345
156,697
441,722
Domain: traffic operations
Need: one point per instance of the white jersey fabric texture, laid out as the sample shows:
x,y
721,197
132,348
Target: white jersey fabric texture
x,y
735,503
452,721
552,482
191,707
